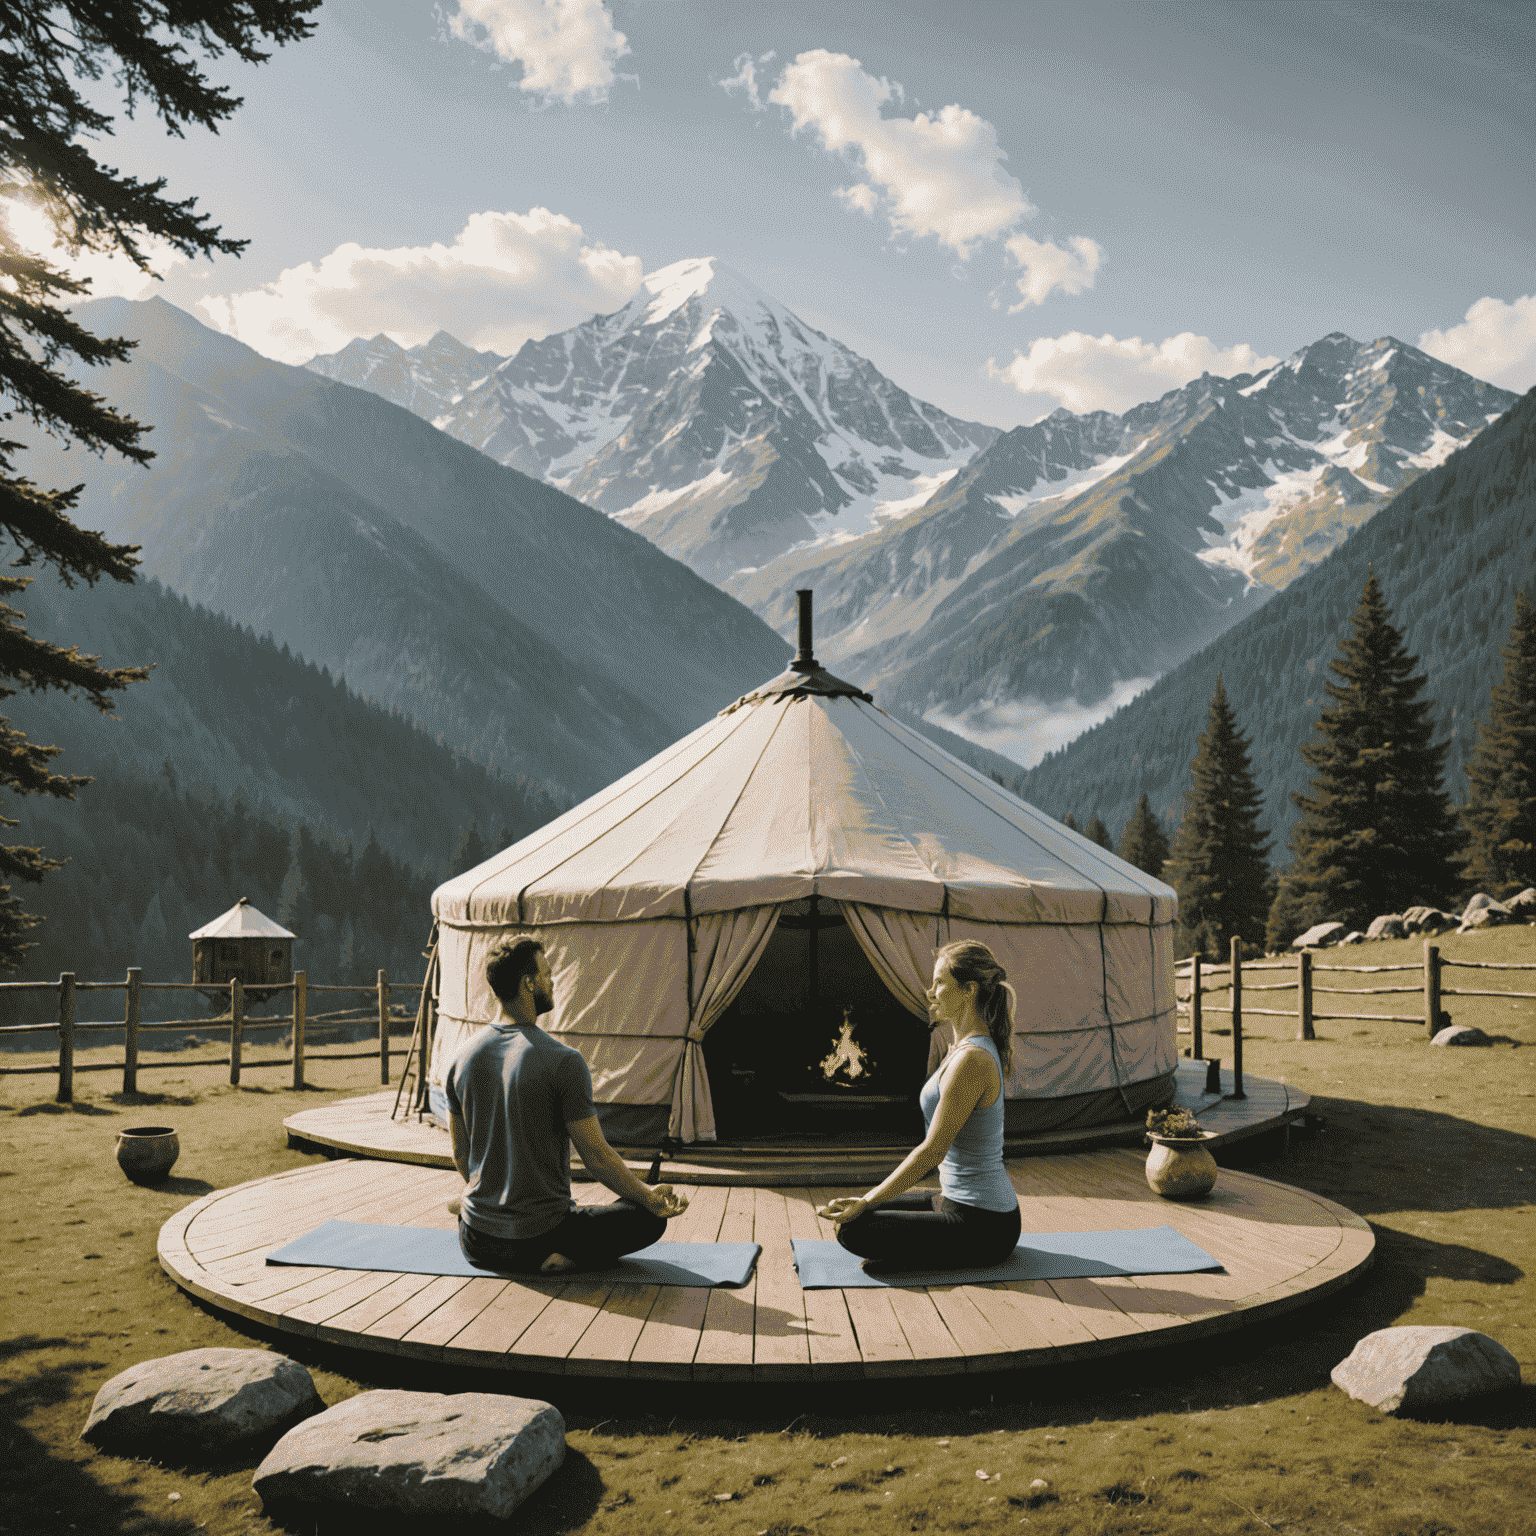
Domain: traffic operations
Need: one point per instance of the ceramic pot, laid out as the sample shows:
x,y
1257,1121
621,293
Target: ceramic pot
x,y
1181,1167
147,1153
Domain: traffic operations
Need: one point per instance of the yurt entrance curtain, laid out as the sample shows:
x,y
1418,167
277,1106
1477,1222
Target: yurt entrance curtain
x,y
724,949
900,946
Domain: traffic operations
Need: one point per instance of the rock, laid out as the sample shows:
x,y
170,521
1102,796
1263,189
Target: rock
x,y
1427,920
1319,936
1485,912
1523,906
1407,1369
1460,1034
201,1400
470,1453
1353,938
1388,926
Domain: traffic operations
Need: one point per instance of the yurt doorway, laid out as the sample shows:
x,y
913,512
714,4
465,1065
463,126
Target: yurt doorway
x,y
814,1046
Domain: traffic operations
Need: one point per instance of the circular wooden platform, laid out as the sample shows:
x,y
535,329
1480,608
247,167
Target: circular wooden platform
x,y
1281,1248
363,1127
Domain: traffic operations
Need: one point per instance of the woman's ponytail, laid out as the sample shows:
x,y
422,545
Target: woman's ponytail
x,y
969,961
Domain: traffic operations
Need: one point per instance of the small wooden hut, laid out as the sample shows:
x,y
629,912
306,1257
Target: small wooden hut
x,y
245,945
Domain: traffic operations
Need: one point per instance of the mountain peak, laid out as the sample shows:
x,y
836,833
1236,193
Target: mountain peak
x,y
667,290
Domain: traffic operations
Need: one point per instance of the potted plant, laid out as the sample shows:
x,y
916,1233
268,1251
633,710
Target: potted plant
x,y
1180,1165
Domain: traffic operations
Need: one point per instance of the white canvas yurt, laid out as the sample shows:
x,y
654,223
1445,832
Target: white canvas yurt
x,y
742,931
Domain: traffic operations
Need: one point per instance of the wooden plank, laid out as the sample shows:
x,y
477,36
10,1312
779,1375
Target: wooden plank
x,y
451,1317
604,1349
833,1345
934,1349
551,1336
1095,1310
669,1337
1029,1317
781,1348
362,1314
882,1345
970,1328
724,1351
394,1325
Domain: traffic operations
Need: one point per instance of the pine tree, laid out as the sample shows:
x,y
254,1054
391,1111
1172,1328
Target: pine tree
x,y
1069,821
1377,833
1097,832
1500,814
1144,843
1219,860
50,45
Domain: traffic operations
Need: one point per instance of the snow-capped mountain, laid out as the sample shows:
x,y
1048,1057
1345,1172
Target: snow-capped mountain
x,y
425,379
1086,552
711,419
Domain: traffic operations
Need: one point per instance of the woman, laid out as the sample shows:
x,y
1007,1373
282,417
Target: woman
x,y
975,1223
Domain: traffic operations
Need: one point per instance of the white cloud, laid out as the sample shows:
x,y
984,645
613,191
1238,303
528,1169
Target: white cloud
x,y
745,78
110,273
567,47
506,278
939,175
1048,267
1496,341
1104,373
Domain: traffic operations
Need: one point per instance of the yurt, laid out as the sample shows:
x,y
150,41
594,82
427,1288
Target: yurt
x,y
742,931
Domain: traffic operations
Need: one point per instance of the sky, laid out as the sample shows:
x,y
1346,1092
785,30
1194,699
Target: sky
x,y
1007,207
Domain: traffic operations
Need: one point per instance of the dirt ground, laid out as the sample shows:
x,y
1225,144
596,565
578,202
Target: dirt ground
x,y
1437,1148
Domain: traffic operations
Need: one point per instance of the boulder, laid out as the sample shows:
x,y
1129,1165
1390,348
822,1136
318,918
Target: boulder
x,y
1427,920
1319,936
1523,906
1356,937
1387,926
1484,912
1409,1369
201,1400
1460,1034
469,1453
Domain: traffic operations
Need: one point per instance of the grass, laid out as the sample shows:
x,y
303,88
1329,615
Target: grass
x,y
1241,1434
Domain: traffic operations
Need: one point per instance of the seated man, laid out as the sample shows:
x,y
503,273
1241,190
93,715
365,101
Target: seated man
x,y
516,1101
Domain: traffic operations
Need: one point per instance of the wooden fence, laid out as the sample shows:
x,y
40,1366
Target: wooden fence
x,y
1430,989
380,1011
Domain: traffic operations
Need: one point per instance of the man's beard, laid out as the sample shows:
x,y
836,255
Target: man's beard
x,y
543,1000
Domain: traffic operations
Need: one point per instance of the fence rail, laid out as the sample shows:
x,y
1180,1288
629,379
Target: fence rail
x,y
381,1011
1431,987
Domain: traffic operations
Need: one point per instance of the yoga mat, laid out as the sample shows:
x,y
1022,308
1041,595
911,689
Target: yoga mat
x,y
1040,1256
432,1251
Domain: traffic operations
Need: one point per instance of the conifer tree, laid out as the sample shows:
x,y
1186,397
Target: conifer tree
x,y
1219,860
1097,832
1143,842
1500,814
1377,833
45,163
1069,821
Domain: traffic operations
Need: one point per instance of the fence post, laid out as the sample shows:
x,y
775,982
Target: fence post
x,y
300,1012
1237,1021
1196,1009
383,1026
131,1032
1304,1029
236,1029
1431,988
67,1038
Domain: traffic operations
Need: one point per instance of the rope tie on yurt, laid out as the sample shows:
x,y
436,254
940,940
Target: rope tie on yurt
x,y
668,1148
1114,1049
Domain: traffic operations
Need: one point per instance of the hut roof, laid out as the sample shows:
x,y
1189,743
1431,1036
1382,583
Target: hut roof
x,y
242,921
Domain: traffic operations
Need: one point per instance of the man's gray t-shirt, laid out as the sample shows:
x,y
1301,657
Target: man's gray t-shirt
x,y
516,1090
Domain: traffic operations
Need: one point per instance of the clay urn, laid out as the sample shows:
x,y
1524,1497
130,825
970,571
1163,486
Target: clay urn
x,y
147,1153
1181,1167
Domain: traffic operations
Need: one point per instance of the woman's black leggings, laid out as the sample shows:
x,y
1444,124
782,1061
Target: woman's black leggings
x,y
929,1232
592,1236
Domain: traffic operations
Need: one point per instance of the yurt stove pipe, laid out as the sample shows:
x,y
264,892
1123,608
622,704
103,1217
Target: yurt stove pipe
x,y
804,661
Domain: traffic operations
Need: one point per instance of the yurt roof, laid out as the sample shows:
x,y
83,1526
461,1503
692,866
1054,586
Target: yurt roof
x,y
242,921
802,788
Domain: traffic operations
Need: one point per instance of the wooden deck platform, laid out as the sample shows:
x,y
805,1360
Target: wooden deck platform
x,y
362,1127
1281,1248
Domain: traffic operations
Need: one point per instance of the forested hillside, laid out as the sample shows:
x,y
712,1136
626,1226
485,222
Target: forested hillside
x,y
236,770
1450,553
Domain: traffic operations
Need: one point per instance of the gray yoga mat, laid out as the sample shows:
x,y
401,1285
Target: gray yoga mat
x,y
824,1265
432,1251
